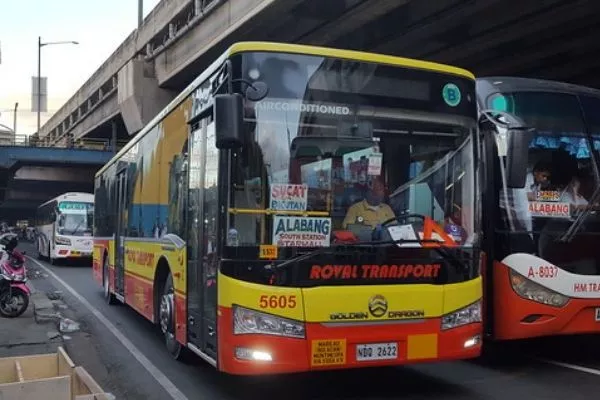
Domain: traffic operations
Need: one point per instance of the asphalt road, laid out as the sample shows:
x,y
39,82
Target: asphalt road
x,y
555,368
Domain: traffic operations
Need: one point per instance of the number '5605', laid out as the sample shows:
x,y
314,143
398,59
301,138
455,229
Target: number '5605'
x,y
275,301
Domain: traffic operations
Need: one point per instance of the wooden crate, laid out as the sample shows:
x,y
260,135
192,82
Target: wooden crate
x,y
47,376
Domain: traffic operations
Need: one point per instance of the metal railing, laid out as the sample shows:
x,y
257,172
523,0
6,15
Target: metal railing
x,y
87,144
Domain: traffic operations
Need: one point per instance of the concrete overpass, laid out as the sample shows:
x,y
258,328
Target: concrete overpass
x,y
31,174
549,39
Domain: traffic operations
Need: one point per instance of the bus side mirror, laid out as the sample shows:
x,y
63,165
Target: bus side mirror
x,y
517,157
229,120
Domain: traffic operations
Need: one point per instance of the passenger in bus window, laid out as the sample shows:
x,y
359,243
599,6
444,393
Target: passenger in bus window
x,y
371,211
538,180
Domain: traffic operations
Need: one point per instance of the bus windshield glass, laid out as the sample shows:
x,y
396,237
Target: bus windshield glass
x,y
75,218
562,185
341,149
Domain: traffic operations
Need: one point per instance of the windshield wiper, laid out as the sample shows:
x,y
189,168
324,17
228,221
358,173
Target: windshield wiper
x,y
76,227
580,219
302,257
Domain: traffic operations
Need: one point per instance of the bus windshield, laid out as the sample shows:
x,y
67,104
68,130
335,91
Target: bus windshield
x,y
350,148
75,218
562,185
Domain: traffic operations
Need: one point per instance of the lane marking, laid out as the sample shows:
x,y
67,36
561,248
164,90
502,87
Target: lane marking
x,y
161,378
574,367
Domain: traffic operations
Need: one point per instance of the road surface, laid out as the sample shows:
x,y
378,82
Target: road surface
x,y
556,368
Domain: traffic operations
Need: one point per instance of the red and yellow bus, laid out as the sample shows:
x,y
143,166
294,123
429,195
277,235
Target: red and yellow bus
x,y
541,203
302,208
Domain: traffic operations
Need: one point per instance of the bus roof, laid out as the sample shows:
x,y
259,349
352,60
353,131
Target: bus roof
x,y
508,84
243,47
71,196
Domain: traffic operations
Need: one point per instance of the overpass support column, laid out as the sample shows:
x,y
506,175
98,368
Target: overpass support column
x,y
140,98
114,136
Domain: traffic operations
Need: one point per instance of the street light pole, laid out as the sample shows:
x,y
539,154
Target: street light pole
x,y
15,118
140,12
39,75
39,80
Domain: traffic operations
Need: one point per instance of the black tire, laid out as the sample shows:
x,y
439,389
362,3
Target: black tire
x,y
39,249
19,311
496,352
50,259
109,297
166,320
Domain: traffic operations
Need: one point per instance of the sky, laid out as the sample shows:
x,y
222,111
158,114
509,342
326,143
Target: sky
x,y
99,27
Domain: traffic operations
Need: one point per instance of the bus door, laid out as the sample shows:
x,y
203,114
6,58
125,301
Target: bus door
x,y
121,194
201,246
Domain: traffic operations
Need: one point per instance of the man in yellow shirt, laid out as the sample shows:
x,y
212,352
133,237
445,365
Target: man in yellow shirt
x,y
371,211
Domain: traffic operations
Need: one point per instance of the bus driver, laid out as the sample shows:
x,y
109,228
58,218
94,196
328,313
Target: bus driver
x,y
371,211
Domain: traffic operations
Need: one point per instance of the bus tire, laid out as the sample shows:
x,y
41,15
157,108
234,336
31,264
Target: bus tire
x,y
494,352
40,256
50,258
109,297
166,319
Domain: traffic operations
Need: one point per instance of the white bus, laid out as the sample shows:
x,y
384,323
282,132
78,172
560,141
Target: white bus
x,y
64,227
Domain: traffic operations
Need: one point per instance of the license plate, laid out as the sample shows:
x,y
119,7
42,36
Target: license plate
x,y
376,351
598,314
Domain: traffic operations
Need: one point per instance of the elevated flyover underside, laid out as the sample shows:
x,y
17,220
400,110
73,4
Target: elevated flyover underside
x,y
31,175
552,39
545,39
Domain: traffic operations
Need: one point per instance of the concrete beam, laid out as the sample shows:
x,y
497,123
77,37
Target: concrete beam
x,y
139,97
19,204
223,21
357,17
25,185
20,155
529,59
107,110
541,19
424,27
132,45
25,196
549,21
54,174
158,18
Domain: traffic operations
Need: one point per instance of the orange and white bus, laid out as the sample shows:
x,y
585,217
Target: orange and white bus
x,y
301,208
541,203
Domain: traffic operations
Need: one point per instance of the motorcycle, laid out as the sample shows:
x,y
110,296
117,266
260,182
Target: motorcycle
x,y
14,292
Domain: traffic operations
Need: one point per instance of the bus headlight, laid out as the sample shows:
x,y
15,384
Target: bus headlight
x,y
468,315
62,240
247,321
531,290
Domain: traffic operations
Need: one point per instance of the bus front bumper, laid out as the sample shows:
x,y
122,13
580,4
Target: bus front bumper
x,y
524,318
329,347
65,252
518,318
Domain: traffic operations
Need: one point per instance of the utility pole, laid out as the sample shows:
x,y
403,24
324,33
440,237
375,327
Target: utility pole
x,y
140,12
39,74
15,118
39,84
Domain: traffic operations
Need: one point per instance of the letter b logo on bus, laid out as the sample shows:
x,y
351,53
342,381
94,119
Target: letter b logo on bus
x,y
451,94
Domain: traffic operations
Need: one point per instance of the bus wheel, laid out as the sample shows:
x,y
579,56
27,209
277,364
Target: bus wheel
x,y
50,258
108,296
166,318
39,249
